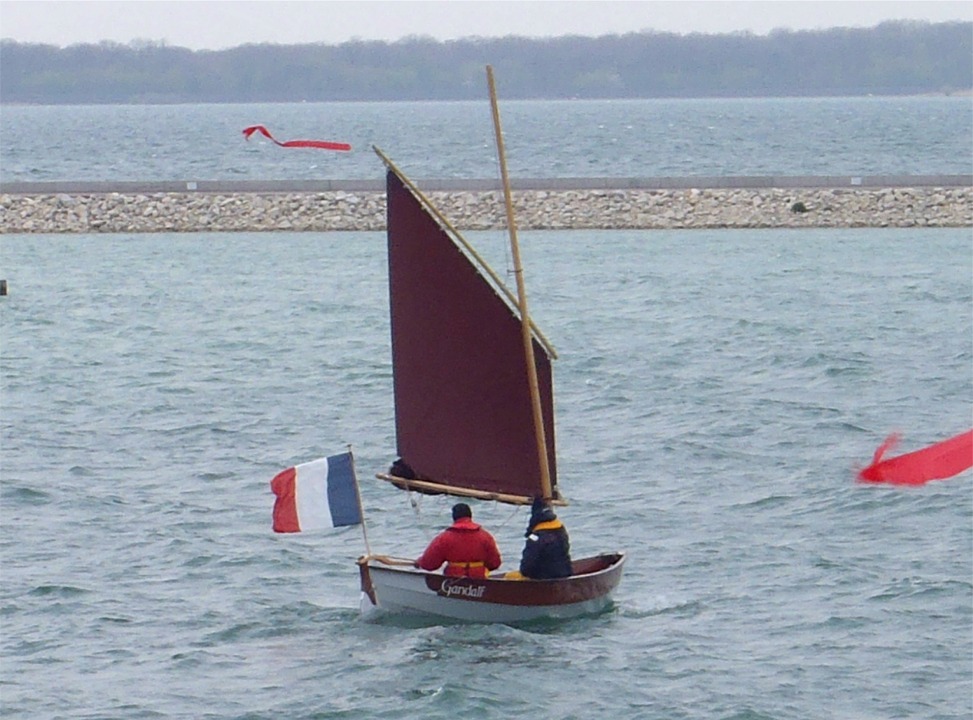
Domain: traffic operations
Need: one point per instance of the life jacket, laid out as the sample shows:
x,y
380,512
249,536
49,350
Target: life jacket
x,y
466,569
547,525
467,549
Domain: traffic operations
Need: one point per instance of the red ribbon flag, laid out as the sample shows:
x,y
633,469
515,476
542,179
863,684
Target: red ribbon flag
x,y
936,462
321,144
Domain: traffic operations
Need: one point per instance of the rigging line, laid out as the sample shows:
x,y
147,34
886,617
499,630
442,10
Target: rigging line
x,y
499,219
417,509
514,511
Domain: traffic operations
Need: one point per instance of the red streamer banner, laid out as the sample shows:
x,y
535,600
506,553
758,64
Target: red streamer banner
x,y
936,462
320,144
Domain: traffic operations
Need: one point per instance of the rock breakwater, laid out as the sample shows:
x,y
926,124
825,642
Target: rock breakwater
x,y
605,209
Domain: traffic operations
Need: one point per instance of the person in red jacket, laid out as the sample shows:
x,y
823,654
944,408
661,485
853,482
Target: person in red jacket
x,y
467,549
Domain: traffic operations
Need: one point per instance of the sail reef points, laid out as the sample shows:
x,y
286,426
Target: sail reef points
x,y
537,209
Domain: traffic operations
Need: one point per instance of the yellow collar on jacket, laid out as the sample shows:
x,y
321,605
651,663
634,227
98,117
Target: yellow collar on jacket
x,y
547,525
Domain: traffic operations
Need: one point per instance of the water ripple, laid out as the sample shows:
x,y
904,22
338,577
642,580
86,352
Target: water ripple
x,y
715,393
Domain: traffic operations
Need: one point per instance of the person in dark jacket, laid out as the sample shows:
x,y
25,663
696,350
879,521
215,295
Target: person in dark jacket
x,y
547,553
467,549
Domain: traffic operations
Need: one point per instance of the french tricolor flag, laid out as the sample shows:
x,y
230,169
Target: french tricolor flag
x,y
315,495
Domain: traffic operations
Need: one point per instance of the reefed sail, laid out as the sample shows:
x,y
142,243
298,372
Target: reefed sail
x,y
463,413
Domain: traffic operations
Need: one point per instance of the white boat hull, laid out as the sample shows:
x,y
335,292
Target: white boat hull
x,y
406,591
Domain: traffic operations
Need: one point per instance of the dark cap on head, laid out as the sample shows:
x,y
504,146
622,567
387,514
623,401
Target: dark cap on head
x,y
540,512
461,510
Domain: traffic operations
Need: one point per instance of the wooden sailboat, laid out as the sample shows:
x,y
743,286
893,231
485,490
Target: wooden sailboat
x,y
474,411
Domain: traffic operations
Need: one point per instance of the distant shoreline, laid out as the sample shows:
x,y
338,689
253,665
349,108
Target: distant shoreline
x,y
894,58
943,94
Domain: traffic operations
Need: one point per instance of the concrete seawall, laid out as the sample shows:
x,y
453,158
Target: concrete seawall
x,y
588,203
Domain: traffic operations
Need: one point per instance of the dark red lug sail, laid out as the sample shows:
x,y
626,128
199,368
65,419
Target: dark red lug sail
x,y
462,399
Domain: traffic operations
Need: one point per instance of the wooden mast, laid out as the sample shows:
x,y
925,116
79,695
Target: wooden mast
x,y
535,396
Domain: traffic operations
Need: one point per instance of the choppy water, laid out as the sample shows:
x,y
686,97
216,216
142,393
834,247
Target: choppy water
x,y
716,391
628,138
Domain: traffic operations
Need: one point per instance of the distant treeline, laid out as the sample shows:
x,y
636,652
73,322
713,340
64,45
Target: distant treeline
x,y
894,58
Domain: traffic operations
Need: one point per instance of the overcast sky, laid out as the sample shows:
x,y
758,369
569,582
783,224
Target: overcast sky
x,y
228,23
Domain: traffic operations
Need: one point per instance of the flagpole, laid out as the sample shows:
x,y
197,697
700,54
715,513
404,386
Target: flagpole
x,y
361,509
